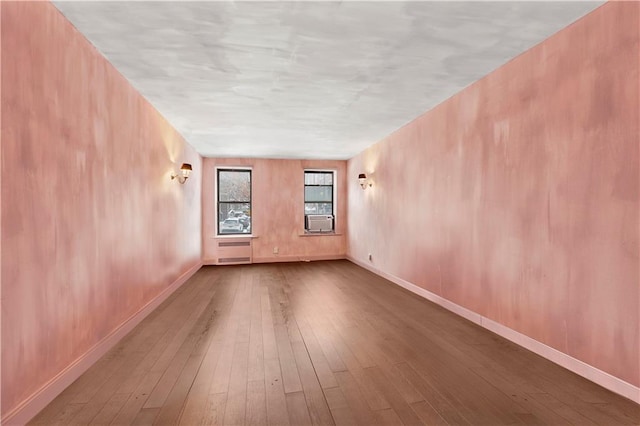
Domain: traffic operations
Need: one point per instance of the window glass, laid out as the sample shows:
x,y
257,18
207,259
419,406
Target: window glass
x,y
234,201
318,208
318,178
318,194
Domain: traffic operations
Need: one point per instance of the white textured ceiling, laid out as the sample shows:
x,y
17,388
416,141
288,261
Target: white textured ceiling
x,y
307,79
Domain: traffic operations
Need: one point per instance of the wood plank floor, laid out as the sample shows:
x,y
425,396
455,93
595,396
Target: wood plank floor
x,y
322,343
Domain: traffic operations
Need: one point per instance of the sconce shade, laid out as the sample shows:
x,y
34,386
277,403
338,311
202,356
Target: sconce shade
x,y
362,179
185,171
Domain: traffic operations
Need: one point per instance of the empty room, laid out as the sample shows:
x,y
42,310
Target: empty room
x,y
320,213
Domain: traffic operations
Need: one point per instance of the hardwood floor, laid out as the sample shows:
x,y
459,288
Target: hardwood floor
x,y
322,343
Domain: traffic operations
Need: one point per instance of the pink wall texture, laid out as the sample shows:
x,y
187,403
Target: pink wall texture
x,y
518,197
96,228
278,210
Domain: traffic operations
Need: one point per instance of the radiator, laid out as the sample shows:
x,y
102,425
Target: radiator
x,y
319,223
234,251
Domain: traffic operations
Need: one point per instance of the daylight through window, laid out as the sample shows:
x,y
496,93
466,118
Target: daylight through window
x,y
234,201
318,196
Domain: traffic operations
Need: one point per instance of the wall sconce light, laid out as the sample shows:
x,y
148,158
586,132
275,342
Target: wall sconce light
x,y
362,178
185,171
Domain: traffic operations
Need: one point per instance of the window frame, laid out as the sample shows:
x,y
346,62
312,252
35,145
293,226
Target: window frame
x,y
218,202
334,198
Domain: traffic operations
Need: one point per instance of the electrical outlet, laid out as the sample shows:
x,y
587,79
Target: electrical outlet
x,y
276,250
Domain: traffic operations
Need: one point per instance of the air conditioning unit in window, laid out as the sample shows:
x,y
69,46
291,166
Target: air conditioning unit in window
x,y
319,223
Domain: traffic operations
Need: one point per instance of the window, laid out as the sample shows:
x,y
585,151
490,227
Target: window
x,y
234,201
318,194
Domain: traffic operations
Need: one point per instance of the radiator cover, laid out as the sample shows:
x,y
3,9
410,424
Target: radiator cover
x,y
234,251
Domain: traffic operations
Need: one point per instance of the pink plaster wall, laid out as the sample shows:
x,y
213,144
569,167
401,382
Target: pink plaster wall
x,y
518,197
92,226
0,218
278,210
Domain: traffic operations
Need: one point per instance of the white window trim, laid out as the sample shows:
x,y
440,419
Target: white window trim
x,y
215,203
335,200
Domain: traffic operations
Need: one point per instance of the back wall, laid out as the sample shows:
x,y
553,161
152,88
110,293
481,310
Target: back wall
x,y
277,210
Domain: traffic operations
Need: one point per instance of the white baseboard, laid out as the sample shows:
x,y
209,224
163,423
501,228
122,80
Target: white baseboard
x,y
581,368
276,259
280,259
30,407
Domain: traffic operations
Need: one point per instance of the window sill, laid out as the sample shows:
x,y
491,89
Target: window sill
x,y
320,234
235,236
